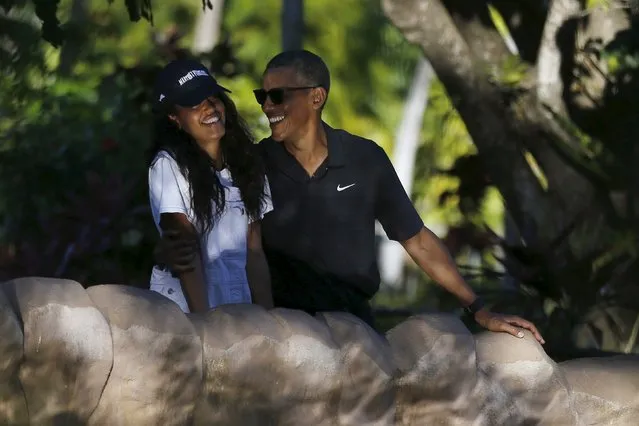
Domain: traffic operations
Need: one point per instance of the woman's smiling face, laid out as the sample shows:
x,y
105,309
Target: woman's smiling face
x,y
204,122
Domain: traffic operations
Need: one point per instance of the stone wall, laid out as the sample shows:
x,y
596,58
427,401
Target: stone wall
x,y
116,355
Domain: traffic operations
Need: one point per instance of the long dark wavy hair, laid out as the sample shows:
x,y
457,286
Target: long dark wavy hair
x,y
240,156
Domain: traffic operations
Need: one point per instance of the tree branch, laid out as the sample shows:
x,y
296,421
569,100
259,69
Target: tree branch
x,y
476,27
550,88
428,24
502,130
525,20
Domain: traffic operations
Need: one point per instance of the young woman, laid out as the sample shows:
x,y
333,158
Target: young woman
x,y
206,180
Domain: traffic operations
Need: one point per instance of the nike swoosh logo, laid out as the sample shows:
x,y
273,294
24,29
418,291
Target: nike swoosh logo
x,y
341,188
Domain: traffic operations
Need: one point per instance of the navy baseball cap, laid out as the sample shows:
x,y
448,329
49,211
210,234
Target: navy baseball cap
x,y
184,82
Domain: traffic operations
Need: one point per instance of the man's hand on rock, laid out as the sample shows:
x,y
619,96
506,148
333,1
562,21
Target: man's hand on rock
x,y
507,324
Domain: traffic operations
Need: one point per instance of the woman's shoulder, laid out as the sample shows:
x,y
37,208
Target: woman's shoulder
x,y
163,154
162,158
165,166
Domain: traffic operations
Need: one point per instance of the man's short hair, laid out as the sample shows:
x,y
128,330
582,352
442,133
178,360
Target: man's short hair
x,y
308,66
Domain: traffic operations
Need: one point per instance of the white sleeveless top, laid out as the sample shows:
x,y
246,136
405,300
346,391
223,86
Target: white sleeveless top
x,y
223,247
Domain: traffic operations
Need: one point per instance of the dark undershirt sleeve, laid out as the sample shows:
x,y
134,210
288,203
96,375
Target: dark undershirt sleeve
x,y
393,207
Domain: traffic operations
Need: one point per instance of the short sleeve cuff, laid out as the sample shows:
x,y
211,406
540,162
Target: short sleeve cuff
x,y
407,230
173,209
267,204
267,207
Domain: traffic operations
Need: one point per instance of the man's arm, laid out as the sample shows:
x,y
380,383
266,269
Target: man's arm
x,y
176,250
257,271
402,223
430,254
427,250
192,281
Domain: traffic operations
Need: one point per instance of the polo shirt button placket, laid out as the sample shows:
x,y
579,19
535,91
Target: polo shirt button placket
x,y
311,223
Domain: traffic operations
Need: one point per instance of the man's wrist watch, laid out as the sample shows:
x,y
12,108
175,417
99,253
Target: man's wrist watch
x,y
474,307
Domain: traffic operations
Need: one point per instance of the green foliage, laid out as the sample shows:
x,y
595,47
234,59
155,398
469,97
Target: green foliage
x,y
592,4
138,9
72,153
75,147
513,71
451,188
52,29
21,51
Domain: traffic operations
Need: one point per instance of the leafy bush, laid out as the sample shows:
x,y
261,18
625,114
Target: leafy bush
x,y
73,182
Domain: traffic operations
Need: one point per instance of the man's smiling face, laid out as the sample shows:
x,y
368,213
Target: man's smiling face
x,y
289,119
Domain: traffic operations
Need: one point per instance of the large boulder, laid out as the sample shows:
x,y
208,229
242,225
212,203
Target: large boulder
x,y
114,355
537,384
605,390
438,380
157,360
367,393
13,405
67,349
261,368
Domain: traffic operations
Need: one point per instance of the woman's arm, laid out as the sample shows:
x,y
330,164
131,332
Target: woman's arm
x,y
192,281
257,272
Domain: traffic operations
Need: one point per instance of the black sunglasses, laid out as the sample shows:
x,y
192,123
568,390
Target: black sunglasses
x,y
277,95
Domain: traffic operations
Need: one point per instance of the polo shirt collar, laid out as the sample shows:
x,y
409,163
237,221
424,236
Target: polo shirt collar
x,y
335,144
288,164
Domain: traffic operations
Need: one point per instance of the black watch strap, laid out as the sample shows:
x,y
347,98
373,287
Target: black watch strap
x,y
474,307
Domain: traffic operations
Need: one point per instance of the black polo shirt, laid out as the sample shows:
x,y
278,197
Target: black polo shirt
x,y
327,221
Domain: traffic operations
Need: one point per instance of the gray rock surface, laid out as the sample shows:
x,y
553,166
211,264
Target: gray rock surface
x,y
67,349
605,390
114,355
13,404
157,360
536,382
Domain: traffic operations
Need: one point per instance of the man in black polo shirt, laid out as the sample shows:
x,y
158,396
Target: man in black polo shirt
x,y
328,187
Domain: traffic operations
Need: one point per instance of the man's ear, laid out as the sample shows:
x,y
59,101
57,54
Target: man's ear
x,y
318,97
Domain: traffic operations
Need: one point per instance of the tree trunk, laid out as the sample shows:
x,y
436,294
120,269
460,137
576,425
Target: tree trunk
x,y
406,144
503,123
208,28
292,24
428,24
588,87
525,20
473,23
550,88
